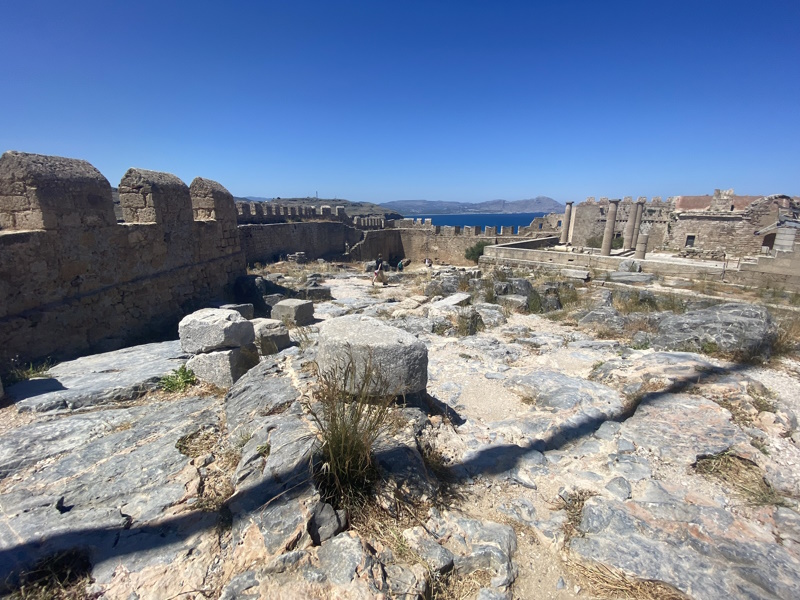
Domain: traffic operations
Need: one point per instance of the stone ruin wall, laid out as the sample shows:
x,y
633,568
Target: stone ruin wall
x,y
73,279
268,243
447,244
720,228
589,220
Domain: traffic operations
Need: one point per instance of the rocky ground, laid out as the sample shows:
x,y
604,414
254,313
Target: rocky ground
x,y
543,462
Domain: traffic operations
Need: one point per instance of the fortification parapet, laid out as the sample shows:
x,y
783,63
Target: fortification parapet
x,y
82,282
212,202
52,192
155,197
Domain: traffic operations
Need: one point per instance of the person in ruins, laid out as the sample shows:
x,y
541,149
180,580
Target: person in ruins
x,y
380,274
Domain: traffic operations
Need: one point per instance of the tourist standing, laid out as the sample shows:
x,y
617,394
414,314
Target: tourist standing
x,y
380,274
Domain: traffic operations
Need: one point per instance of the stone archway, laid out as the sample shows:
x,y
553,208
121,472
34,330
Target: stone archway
x,y
769,241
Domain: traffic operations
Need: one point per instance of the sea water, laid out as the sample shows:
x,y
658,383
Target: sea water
x,y
514,220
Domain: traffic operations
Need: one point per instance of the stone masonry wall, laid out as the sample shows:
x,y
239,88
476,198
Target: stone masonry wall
x,y
267,243
440,244
730,231
589,220
73,280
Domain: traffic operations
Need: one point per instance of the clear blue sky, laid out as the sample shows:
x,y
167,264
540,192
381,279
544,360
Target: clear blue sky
x,y
383,100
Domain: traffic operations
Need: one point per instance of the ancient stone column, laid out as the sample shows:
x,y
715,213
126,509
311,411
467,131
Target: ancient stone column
x,y
608,234
641,247
637,224
565,224
627,235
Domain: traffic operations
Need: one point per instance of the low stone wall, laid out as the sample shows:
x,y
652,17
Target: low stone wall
x,y
515,256
73,280
267,243
449,246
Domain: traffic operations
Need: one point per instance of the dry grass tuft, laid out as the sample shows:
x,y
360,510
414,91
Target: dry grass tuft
x,y
198,443
64,576
215,486
22,372
457,586
788,336
607,582
380,528
742,476
352,408
573,503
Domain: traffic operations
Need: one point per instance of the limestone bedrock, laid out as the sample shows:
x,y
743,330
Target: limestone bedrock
x,y
400,358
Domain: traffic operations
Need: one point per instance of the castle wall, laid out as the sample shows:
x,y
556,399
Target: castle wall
x,y
267,243
73,280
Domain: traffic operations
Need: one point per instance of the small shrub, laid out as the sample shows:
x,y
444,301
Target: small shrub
x,y
473,253
488,287
349,417
179,380
264,450
671,302
596,241
23,372
303,336
535,303
568,296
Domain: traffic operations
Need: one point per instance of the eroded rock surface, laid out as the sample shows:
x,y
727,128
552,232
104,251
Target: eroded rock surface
x,y
588,447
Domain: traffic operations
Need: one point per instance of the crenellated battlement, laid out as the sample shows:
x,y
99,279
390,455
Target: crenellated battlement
x,y
266,213
73,279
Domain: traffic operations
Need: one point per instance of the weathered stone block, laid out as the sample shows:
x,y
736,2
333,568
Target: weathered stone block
x,y
271,336
213,329
400,358
513,301
224,367
295,311
246,310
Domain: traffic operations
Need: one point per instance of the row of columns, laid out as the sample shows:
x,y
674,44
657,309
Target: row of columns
x,y
630,236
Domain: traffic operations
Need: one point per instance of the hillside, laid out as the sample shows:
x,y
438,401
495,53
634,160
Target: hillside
x,y
353,209
410,208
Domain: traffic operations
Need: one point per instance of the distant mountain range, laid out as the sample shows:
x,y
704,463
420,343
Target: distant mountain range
x,y
409,208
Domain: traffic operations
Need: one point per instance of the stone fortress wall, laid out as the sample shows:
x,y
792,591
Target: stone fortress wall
x,y
73,279
269,231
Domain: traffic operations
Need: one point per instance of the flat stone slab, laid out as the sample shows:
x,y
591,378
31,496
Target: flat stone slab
x,y
627,277
460,299
105,481
679,428
698,547
581,274
99,379
730,327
